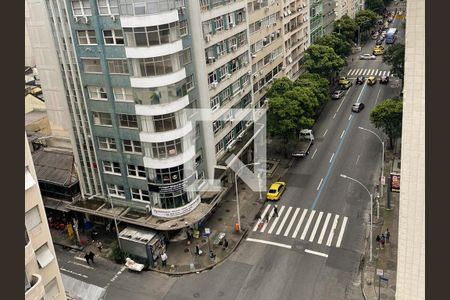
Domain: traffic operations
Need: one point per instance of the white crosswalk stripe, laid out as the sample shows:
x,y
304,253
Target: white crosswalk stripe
x,y
388,73
376,72
314,225
364,72
367,72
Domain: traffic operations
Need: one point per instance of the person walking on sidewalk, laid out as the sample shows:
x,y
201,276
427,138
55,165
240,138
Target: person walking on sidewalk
x,y
197,250
91,256
383,239
164,259
275,211
378,239
87,257
388,235
267,218
225,244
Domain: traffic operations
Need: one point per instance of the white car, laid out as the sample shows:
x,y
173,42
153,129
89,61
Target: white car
x,y
367,56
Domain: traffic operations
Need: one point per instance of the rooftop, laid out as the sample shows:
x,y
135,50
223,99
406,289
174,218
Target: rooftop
x,y
55,166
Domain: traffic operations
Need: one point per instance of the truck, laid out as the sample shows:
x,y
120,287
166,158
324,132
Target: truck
x,y
391,35
305,141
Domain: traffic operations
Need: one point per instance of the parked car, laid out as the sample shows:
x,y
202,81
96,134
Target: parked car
x,y
367,56
360,79
346,85
384,79
379,41
338,94
275,191
375,35
371,80
343,80
357,107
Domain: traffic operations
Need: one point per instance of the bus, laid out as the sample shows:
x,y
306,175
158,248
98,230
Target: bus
x,y
391,35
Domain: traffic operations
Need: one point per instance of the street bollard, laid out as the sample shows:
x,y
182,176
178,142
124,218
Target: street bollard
x,y
236,227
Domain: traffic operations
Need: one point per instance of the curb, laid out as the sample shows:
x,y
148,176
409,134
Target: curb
x,y
78,248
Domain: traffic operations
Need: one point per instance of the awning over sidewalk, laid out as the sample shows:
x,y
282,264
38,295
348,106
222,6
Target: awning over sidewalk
x,y
55,204
80,290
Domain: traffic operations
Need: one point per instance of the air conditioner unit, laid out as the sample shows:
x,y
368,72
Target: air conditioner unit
x,y
283,68
289,12
113,17
274,24
207,37
273,34
76,19
233,48
214,84
260,72
249,123
246,63
253,55
215,107
304,5
231,25
268,25
240,136
211,59
86,20
285,13
255,75
228,75
264,39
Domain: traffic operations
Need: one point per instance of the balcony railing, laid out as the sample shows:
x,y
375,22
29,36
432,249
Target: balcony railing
x,y
35,289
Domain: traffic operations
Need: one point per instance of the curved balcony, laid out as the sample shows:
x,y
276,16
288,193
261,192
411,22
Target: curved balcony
x,y
145,20
156,163
29,252
154,51
158,81
36,291
161,109
165,136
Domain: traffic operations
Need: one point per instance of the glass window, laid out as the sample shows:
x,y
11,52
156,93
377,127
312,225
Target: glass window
x,y
101,118
81,8
111,167
140,195
153,35
32,218
118,66
184,28
164,94
123,94
167,149
115,190
106,143
190,84
160,65
173,200
97,93
86,37
113,37
170,175
165,122
136,171
128,121
108,7
91,65
132,146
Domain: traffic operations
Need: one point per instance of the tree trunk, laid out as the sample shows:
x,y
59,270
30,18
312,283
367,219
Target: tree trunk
x,y
391,143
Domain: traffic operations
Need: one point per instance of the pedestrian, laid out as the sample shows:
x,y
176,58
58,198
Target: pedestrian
x,y
197,250
388,235
164,259
225,244
91,256
383,239
99,246
378,239
87,257
211,254
275,211
267,218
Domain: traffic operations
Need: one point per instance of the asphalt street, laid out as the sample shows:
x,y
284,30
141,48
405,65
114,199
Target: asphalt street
x,y
313,250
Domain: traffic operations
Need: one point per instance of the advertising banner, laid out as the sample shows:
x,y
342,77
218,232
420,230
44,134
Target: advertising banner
x,y
395,182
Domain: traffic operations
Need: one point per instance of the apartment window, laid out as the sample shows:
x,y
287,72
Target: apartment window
x,y
184,28
167,149
153,35
101,118
44,256
215,102
140,195
165,122
52,289
163,94
136,171
86,37
29,180
111,167
132,146
115,190
158,65
81,8
190,84
219,147
91,65
223,71
212,77
97,93
118,66
113,37
32,218
129,121
123,94
216,126
108,7
106,143
170,175
218,23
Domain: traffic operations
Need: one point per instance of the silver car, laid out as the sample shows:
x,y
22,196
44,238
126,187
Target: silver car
x,y
338,94
367,56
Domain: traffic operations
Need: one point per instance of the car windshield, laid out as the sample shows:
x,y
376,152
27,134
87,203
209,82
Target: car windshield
x,y
272,191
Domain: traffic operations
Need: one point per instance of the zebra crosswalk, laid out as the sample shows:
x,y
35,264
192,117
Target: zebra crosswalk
x,y
304,224
368,72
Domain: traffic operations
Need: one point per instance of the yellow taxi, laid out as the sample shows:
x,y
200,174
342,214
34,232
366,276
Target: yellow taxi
x,y
378,50
371,80
343,80
275,191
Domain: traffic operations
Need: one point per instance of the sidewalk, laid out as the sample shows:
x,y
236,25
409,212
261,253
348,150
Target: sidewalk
x,y
386,258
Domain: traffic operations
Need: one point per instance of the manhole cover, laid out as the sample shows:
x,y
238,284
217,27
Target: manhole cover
x,y
196,295
227,210
219,219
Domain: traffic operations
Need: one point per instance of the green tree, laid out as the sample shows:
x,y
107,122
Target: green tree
x,y
319,85
347,27
323,60
336,41
388,116
395,57
366,19
375,5
279,87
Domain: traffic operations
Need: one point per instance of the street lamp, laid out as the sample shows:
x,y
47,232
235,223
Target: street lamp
x,y
382,156
371,211
237,192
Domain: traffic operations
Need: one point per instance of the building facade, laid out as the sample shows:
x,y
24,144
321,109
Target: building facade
x,y
42,276
316,19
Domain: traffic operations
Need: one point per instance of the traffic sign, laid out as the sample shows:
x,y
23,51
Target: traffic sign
x,y
380,272
383,180
207,232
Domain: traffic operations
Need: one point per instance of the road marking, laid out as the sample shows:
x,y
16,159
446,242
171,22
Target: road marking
x,y
269,243
376,72
284,220
276,220
305,230
364,73
72,272
292,221
341,233
331,159
339,107
350,117
334,115
266,224
364,86
262,217
299,224
357,159
316,253
376,100
314,154
333,228
342,134
325,132
79,258
81,265
117,274
324,228
318,187
313,234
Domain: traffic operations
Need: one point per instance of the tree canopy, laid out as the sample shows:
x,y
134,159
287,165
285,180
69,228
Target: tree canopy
x,y
319,85
366,19
337,41
347,27
388,117
375,5
279,87
395,57
323,60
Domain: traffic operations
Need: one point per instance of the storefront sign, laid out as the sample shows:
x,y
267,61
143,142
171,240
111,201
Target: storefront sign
x,y
173,187
395,182
176,212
